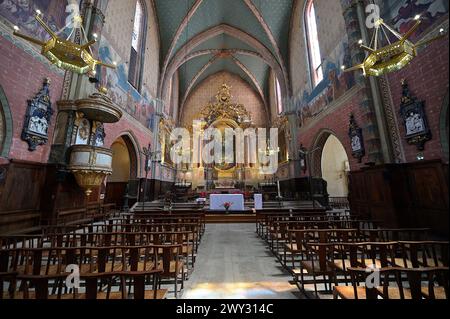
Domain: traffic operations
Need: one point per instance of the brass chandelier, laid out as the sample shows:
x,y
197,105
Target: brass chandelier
x,y
64,53
394,56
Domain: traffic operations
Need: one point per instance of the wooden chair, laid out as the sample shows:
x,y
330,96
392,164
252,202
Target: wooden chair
x,y
108,285
416,254
319,263
420,283
360,275
8,282
170,262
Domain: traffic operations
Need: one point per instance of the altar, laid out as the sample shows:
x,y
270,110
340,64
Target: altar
x,y
217,201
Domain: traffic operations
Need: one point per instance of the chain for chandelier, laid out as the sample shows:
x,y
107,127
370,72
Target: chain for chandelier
x,y
64,53
395,55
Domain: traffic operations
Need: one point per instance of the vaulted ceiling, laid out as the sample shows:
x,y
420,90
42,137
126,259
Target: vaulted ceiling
x,y
202,37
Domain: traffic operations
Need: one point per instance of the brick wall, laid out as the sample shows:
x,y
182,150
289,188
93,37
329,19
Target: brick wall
x,y
138,134
21,77
427,77
241,91
337,123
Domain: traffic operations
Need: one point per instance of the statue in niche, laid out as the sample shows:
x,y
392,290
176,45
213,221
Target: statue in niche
x,y
83,132
356,143
99,135
356,139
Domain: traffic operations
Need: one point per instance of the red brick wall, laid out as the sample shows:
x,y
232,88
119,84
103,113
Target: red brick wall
x,y
427,77
337,122
21,77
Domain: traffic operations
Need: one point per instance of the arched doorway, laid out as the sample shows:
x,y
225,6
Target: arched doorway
x,y
125,172
334,167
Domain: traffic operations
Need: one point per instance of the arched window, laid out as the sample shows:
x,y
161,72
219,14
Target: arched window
x,y
315,58
137,46
279,98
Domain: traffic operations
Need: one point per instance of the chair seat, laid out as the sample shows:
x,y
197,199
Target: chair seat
x,y
160,294
186,250
146,266
173,267
345,264
439,292
348,292
430,262
53,269
314,267
297,271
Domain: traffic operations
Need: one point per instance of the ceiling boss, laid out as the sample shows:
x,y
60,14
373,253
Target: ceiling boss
x,y
64,53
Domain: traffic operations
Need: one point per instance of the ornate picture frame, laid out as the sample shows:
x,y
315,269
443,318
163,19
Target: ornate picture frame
x,y
356,139
412,112
37,118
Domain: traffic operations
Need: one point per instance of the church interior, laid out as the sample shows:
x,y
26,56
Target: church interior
x,y
224,149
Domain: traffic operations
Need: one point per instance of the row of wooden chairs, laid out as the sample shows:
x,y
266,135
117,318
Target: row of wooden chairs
x,y
46,264
124,248
409,283
332,251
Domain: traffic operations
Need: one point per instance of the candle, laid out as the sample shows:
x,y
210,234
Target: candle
x,y
279,191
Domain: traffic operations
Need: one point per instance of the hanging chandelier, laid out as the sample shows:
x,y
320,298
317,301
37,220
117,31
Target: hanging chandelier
x,y
64,53
394,56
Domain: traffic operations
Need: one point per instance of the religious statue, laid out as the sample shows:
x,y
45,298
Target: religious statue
x,y
356,139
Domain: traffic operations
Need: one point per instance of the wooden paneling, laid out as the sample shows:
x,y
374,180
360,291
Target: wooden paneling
x,y
403,195
31,194
21,189
430,202
20,195
115,193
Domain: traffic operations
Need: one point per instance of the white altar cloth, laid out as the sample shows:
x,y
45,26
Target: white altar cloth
x,y
258,201
216,202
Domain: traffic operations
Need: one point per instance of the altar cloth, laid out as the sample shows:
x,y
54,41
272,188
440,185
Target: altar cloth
x,y
217,200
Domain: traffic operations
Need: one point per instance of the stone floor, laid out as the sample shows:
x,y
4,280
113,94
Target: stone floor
x,y
234,263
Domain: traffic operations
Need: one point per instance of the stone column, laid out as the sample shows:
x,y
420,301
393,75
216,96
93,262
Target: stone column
x,y
76,86
156,148
352,15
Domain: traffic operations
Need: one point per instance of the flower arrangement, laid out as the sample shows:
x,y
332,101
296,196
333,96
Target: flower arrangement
x,y
227,205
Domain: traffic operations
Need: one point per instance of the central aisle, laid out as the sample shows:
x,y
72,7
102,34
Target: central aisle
x,y
234,263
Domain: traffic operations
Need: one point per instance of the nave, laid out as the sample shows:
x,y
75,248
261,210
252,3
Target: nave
x,y
234,263
287,253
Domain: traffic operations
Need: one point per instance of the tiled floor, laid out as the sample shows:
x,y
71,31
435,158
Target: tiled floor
x,y
234,263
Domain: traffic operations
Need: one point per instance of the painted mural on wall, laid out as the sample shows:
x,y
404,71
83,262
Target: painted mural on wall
x,y
141,106
335,84
401,13
22,12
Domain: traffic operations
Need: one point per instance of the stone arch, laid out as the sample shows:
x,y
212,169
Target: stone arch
x,y
6,125
133,148
316,157
331,163
444,119
187,48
